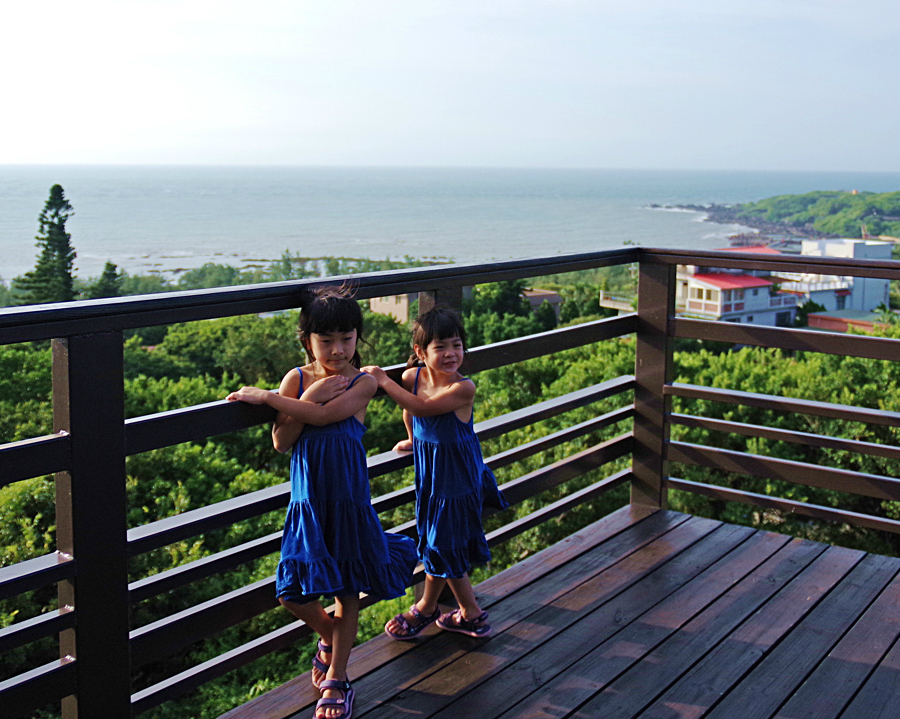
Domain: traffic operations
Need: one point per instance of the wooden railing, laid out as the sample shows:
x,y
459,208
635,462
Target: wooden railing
x,y
100,651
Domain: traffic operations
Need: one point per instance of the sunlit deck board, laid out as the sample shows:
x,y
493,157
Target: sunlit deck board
x,y
649,614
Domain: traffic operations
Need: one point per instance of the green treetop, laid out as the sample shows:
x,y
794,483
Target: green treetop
x,y
51,278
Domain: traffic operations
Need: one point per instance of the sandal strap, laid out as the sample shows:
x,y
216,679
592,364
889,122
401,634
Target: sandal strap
x,y
323,647
340,684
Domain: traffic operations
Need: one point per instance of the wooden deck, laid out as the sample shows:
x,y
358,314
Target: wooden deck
x,y
650,614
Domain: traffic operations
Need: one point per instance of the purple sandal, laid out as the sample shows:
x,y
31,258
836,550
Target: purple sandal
x,y
318,663
454,622
412,630
344,703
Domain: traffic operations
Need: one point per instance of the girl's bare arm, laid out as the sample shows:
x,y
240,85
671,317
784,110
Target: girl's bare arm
x,y
351,402
447,399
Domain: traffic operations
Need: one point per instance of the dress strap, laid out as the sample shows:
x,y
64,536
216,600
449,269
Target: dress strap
x,y
416,382
300,392
352,381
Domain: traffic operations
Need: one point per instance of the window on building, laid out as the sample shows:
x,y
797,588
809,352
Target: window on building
x,y
738,295
726,296
841,302
755,292
749,318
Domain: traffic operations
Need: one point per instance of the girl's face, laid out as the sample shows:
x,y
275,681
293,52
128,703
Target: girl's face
x,y
333,350
444,355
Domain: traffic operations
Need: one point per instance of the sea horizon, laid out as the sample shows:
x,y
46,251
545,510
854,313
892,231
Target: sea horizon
x,y
164,219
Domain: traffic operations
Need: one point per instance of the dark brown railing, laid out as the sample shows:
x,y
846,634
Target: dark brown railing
x,y
100,651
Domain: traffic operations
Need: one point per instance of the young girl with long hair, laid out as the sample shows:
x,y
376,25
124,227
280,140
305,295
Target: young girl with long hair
x,y
333,543
453,485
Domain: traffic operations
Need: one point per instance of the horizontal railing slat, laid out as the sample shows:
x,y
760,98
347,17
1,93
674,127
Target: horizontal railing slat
x,y
214,516
176,631
843,412
811,475
871,449
35,573
542,444
203,568
787,505
835,343
811,264
30,630
35,689
570,501
34,457
533,483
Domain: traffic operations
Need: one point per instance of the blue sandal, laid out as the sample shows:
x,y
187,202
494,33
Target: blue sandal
x,y
345,703
412,630
318,663
454,622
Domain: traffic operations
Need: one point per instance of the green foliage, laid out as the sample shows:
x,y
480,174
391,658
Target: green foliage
x,y
831,212
51,279
109,284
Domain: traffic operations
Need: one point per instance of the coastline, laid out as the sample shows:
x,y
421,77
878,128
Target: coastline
x,y
762,229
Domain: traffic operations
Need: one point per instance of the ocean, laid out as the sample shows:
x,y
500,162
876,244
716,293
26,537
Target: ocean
x,y
165,219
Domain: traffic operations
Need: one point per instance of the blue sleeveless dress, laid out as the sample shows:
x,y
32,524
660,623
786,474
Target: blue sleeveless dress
x,y
333,543
453,486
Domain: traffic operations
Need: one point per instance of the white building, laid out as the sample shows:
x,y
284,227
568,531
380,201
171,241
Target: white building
x,y
836,292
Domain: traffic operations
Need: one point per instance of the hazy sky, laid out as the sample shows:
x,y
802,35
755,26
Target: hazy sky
x,y
708,84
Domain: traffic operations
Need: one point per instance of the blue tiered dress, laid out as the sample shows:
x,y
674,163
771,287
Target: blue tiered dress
x,y
333,543
453,486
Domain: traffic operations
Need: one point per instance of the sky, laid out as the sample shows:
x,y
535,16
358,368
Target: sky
x,y
645,84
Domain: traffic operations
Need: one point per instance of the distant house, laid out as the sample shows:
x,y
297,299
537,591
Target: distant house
x,y
734,295
397,306
538,297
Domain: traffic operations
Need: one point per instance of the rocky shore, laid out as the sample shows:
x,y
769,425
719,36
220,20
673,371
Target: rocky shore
x,y
731,215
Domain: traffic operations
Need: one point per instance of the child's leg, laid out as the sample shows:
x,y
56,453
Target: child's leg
x,y
317,619
426,606
345,627
465,597
346,624
469,619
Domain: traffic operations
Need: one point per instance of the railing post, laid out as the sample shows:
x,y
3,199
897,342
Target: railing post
x,y
653,369
88,403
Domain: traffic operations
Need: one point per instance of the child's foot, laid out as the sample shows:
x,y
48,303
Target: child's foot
x,y
319,665
336,701
410,623
455,622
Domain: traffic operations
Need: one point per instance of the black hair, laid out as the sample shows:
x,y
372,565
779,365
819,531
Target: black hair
x,y
330,309
438,323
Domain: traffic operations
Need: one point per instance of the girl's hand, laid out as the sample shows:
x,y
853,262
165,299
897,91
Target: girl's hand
x,y
251,395
379,374
326,389
404,445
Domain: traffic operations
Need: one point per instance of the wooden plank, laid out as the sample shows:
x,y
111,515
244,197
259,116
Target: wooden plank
x,y
661,640
837,679
722,668
777,676
426,694
297,694
656,606
880,695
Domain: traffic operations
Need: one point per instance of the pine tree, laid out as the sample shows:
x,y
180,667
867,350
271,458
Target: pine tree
x,y
109,284
51,278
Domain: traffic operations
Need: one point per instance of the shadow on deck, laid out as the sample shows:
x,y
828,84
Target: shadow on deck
x,y
649,613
